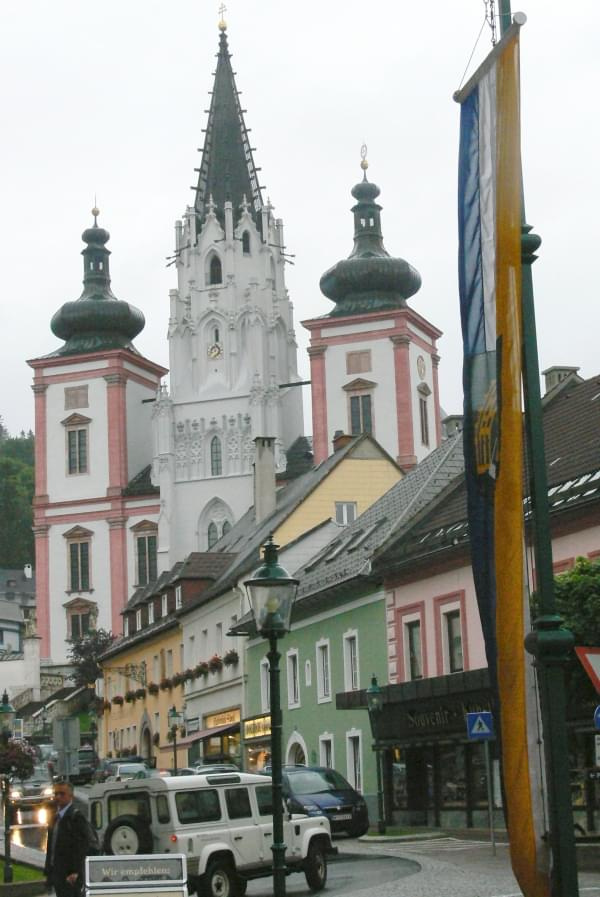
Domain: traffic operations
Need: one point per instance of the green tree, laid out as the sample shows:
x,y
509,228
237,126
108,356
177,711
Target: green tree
x,y
577,594
16,517
84,656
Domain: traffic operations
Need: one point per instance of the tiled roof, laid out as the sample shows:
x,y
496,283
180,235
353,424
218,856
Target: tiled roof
x,y
348,555
246,537
571,422
141,484
205,565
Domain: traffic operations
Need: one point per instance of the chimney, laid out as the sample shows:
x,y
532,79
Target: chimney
x,y
28,571
264,477
555,375
340,439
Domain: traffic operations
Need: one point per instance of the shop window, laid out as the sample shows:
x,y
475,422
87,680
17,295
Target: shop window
x,y
413,650
293,680
345,512
354,760
265,694
351,675
145,545
323,672
358,362
326,751
452,773
216,459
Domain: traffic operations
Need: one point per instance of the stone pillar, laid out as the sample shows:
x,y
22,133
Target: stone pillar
x,y
118,570
42,587
435,362
41,436
117,432
404,412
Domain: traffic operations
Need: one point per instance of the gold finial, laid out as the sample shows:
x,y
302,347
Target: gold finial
x,y
363,157
222,22
95,213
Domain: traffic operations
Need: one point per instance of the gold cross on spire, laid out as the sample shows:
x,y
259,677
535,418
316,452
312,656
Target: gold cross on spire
x,y
222,22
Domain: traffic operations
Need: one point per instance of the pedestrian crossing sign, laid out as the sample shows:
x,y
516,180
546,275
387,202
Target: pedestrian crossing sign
x,y
480,726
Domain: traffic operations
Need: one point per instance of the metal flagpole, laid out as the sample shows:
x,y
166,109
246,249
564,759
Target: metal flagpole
x,y
549,643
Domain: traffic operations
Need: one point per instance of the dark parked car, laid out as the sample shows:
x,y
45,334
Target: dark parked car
x,y
88,763
317,790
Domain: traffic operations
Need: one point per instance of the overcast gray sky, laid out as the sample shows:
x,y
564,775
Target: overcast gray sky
x,y
109,98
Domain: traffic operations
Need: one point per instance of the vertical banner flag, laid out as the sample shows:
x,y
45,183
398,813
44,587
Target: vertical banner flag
x,y
490,297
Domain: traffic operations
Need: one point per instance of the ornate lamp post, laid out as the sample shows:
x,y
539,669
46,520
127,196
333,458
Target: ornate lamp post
x,y
375,706
175,719
272,592
7,715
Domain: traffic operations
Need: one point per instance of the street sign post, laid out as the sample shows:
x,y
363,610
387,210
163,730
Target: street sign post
x,y
65,734
480,727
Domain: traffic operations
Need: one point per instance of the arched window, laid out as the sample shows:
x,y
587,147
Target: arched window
x,y
213,535
246,243
216,335
216,461
226,527
215,270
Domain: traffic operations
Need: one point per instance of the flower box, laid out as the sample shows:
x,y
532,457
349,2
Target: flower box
x,y
215,664
166,684
118,699
153,688
140,693
130,697
231,658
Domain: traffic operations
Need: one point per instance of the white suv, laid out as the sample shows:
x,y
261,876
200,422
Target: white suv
x,y
223,823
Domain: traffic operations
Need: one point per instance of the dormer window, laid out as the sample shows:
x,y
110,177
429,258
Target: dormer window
x,y
164,605
151,613
138,619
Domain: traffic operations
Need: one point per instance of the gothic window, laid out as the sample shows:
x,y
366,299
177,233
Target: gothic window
x,y
226,527
246,243
216,459
213,534
215,271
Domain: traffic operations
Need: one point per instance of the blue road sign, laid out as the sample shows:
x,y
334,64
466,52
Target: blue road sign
x,y
597,717
480,726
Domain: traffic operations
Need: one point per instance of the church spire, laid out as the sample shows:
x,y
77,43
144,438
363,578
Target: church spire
x,y
227,170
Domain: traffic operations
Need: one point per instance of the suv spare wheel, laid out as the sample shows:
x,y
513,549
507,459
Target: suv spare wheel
x,y
127,835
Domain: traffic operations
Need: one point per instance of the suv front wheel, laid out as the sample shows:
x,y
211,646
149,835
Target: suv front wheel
x,y
315,867
220,879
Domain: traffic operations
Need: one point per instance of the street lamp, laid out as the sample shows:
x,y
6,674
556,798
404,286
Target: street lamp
x,y
375,706
7,715
175,719
271,592
44,722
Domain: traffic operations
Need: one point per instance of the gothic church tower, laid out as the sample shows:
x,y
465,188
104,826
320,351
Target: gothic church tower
x,y
231,339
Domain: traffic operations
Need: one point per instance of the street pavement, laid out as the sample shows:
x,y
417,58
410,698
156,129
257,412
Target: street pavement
x,y
432,867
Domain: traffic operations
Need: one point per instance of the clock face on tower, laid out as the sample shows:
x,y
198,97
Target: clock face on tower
x,y
215,350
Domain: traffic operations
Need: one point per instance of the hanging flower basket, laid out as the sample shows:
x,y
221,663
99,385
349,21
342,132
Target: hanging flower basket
x,y
130,697
140,693
188,675
231,658
177,679
118,699
201,669
166,683
153,688
215,664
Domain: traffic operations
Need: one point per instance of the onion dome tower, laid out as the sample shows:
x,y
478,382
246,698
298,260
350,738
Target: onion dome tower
x,y
97,320
369,279
373,359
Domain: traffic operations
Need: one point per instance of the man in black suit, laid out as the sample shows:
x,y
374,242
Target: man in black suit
x,y
68,845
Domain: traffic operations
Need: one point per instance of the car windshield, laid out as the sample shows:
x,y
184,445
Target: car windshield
x,y
314,781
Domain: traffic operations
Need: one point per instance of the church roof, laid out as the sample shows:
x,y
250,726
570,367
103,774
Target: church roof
x,y
227,170
97,321
369,279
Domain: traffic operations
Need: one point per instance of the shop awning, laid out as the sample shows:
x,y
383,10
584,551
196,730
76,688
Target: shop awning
x,y
207,733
